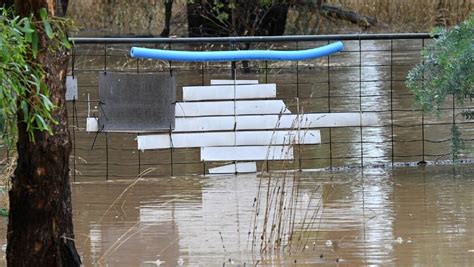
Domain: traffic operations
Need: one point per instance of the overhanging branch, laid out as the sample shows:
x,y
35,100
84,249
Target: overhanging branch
x,y
348,15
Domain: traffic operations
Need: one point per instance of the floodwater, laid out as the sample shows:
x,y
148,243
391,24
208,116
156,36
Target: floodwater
x,y
373,216
402,216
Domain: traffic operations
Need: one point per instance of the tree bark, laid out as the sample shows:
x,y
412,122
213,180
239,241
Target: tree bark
x,y
340,13
40,230
168,12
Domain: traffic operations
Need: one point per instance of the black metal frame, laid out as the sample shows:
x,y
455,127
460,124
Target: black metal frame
x,y
392,141
249,39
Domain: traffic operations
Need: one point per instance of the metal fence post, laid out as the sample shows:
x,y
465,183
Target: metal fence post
x,y
74,125
360,106
391,105
298,108
423,119
329,110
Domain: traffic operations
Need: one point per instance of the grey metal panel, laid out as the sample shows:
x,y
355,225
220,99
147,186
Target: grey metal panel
x,y
135,102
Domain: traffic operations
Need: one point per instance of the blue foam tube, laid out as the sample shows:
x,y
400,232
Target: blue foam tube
x,y
237,55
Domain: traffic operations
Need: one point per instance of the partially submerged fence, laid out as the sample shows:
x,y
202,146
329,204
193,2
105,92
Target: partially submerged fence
x,y
368,76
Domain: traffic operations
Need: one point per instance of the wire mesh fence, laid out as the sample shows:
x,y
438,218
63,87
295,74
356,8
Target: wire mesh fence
x,y
368,76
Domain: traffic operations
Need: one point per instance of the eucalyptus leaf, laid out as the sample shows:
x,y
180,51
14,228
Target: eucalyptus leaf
x,y
43,14
34,44
48,30
25,109
22,80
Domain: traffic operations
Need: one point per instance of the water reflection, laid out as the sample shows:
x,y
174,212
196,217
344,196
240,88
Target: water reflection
x,y
378,216
375,151
373,217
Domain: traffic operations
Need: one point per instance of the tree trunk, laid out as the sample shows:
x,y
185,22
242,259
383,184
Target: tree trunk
x,y
168,12
40,230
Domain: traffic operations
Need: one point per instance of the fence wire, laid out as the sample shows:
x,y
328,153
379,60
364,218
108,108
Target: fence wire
x,y
368,76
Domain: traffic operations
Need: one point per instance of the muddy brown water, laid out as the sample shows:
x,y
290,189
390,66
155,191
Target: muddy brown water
x,y
404,217
376,216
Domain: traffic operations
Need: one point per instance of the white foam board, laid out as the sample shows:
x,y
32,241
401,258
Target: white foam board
x,y
221,92
71,88
182,140
219,82
203,124
239,167
92,125
266,122
196,109
277,137
243,153
270,122
314,120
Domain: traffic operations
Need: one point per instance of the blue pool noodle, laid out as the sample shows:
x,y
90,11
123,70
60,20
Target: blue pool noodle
x,y
237,55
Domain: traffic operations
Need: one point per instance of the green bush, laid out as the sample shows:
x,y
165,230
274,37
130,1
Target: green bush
x,y
447,68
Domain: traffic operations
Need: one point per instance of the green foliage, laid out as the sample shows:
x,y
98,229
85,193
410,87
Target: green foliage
x,y
447,68
3,212
457,143
468,114
23,92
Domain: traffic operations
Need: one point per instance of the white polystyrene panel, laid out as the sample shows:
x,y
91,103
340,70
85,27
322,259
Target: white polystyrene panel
x,y
92,125
202,124
196,109
269,122
261,107
216,92
277,137
246,153
182,140
219,82
153,141
71,88
287,121
240,167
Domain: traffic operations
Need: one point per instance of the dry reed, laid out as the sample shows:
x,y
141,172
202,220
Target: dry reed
x,y
393,16
132,230
280,220
147,17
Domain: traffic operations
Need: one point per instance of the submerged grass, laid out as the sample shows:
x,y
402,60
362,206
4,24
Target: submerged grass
x,y
132,231
286,217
